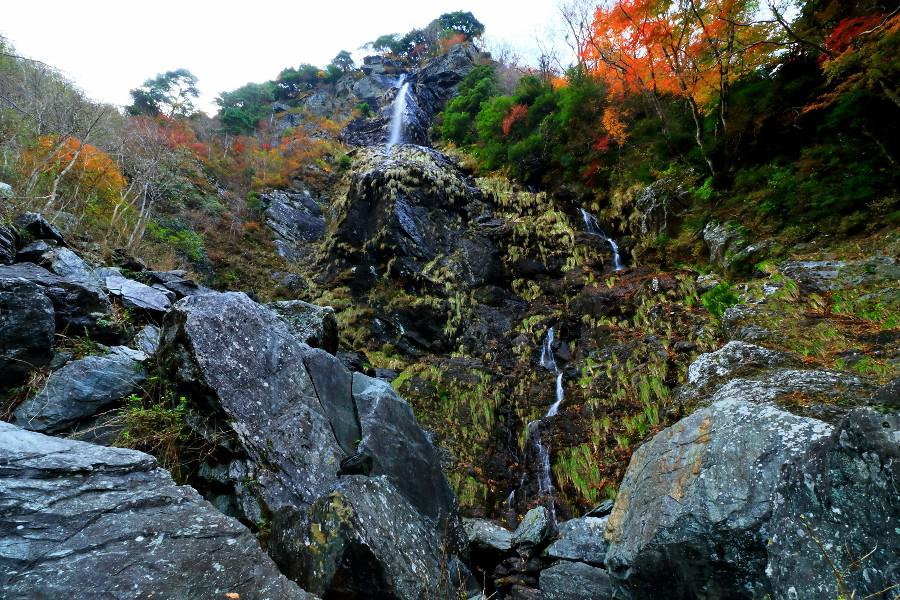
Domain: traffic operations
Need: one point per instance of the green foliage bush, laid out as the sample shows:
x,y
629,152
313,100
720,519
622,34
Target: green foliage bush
x,y
719,299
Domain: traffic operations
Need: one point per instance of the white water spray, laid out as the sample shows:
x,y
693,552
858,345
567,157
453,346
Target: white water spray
x,y
592,227
399,113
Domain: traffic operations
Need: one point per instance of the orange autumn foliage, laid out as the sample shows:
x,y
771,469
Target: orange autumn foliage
x,y
92,169
516,113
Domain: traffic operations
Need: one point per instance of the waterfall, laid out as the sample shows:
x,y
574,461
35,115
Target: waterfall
x,y
547,359
398,114
533,434
592,227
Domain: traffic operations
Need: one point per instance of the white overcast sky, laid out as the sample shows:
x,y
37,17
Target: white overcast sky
x,y
108,47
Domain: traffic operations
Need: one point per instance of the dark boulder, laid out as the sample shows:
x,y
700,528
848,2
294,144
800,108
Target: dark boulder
x,y
27,325
689,520
78,307
108,522
313,325
577,581
363,540
33,226
81,389
835,517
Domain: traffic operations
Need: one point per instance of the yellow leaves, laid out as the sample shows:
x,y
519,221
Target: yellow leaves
x,y
615,127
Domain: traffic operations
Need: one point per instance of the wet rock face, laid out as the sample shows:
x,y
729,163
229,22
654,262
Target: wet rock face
x,y
840,500
362,540
108,521
691,510
27,325
81,389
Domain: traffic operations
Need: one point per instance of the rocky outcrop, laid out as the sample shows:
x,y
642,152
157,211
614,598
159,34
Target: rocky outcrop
x,y
81,389
313,325
110,522
26,329
690,515
729,247
77,307
296,219
410,208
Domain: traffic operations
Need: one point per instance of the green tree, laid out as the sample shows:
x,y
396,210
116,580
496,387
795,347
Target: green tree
x,y
343,62
242,108
461,22
171,93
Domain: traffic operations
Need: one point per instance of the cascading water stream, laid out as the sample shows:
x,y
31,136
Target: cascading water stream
x,y
533,435
592,227
398,114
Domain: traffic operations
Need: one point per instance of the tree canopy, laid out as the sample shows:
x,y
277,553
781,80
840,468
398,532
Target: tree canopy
x,y
171,94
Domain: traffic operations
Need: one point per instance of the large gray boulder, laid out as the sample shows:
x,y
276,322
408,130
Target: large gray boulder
x,y
691,511
78,307
836,516
391,435
487,535
362,540
314,325
108,522
27,325
245,367
81,389
70,266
